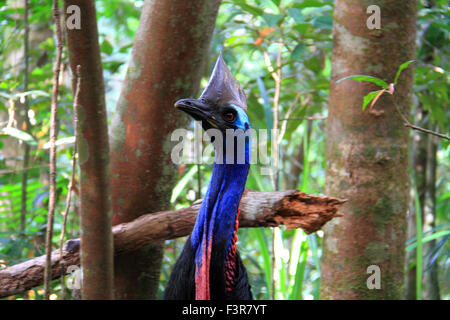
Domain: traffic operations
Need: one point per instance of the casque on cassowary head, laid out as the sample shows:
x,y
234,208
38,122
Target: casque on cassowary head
x,y
218,104
209,267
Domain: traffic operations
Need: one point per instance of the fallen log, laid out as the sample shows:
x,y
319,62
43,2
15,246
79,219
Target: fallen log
x,y
291,208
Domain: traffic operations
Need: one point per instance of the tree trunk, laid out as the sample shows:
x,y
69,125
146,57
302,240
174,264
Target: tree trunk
x,y
93,151
367,152
171,43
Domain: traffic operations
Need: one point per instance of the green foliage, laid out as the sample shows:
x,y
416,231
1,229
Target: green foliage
x,y
433,236
372,96
19,134
419,241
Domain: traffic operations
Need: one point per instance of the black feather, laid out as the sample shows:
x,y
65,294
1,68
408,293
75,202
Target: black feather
x,y
181,284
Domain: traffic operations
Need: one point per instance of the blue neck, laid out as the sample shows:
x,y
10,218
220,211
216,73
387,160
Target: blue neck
x,y
217,215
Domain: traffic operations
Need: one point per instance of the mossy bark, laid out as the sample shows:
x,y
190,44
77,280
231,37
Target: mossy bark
x,y
170,47
367,152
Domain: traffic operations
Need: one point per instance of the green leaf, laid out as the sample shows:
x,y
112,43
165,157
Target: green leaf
x,y
272,19
361,77
19,134
419,242
266,104
269,4
306,156
402,67
298,51
312,3
431,237
33,93
297,288
323,22
297,15
258,233
36,93
250,9
369,97
106,47
5,95
312,241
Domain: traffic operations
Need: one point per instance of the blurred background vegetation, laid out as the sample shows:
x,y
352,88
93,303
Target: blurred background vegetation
x,y
257,38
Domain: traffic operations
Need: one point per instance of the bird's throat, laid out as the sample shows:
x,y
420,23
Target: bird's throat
x,y
216,225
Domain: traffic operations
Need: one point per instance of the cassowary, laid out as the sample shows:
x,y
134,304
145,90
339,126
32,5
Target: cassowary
x,y
209,267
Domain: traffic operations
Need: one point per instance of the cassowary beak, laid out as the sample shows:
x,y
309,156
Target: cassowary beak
x,y
198,110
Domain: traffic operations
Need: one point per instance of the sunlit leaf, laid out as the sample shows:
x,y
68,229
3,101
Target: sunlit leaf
x,y
60,142
431,237
33,93
311,3
402,67
369,97
270,5
19,134
250,9
360,78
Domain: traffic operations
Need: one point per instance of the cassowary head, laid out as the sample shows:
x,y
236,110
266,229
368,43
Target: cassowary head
x,y
222,105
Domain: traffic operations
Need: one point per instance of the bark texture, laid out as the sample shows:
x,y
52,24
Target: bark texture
x,y
367,152
257,209
93,152
171,44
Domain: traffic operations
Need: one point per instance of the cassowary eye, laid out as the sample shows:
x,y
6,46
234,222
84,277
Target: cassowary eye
x,y
230,116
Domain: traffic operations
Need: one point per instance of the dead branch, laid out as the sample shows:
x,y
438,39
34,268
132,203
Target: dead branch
x,y
291,208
